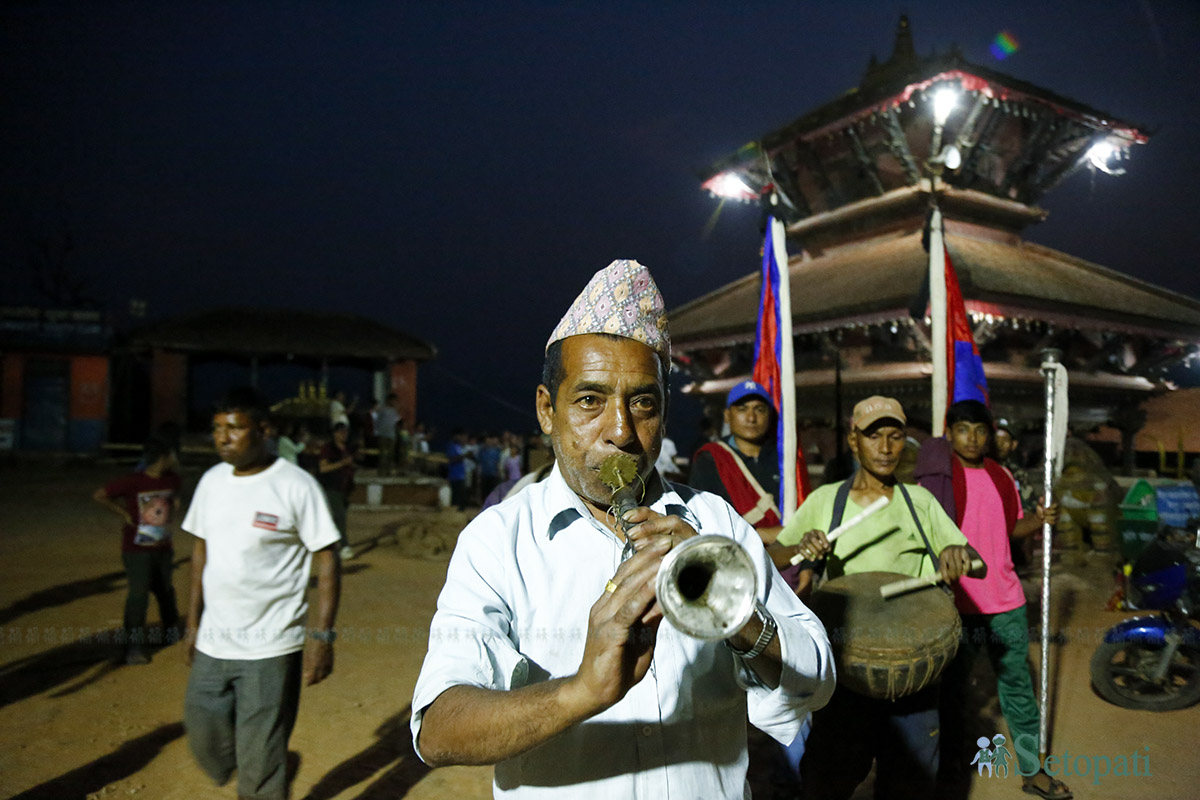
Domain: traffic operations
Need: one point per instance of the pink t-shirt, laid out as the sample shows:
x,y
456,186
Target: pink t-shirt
x,y
984,526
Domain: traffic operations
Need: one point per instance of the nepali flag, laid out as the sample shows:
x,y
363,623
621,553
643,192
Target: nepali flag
x,y
964,367
773,365
957,367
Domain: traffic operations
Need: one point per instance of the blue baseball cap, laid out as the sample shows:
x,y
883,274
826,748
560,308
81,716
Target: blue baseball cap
x,y
745,389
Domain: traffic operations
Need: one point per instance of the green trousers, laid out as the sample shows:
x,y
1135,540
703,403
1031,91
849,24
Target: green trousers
x,y
1005,639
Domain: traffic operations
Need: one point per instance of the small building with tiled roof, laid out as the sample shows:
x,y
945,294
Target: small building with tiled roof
x,y
261,337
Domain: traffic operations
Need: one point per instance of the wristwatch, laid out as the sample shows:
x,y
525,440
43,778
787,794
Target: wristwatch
x,y
764,637
326,636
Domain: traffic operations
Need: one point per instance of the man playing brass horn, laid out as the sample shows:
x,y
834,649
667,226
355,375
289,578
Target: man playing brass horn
x,y
912,536
547,656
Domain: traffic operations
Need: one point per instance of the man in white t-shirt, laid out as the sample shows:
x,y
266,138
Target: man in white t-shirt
x,y
339,412
260,523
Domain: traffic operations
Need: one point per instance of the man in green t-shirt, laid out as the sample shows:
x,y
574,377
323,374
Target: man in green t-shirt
x,y
854,730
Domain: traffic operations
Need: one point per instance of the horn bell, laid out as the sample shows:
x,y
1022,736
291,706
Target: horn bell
x,y
707,587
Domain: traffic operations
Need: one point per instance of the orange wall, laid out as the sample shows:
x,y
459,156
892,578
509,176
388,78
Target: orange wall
x,y
89,387
403,381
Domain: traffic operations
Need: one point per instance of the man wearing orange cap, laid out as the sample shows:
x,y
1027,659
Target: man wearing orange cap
x,y
911,536
547,656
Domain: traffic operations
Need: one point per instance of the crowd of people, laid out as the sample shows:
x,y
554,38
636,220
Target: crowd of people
x,y
548,656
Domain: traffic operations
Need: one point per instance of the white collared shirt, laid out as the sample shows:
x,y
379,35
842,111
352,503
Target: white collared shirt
x,y
514,611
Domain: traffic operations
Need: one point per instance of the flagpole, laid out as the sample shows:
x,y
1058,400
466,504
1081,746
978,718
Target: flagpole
x,y
937,314
787,371
1050,359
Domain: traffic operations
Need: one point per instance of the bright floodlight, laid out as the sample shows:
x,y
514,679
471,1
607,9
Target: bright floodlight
x,y
727,184
944,101
1100,154
950,158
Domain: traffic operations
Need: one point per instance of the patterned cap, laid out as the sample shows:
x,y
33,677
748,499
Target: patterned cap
x,y
621,299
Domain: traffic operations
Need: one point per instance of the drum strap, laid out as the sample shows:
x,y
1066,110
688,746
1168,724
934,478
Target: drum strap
x,y
839,511
839,502
928,547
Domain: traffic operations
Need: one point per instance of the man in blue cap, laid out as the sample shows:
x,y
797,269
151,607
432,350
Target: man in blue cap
x,y
744,467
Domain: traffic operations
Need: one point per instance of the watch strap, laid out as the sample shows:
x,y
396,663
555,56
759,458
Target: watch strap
x,y
765,635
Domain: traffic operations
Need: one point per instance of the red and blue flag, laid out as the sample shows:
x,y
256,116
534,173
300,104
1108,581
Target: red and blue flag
x,y
768,347
964,367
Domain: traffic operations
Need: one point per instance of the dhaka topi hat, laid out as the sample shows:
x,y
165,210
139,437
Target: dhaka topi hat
x,y
875,408
746,389
621,299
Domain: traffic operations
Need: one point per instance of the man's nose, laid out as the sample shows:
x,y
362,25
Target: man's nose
x,y
619,430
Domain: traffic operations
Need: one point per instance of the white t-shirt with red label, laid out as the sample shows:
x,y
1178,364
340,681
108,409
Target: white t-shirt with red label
x,y
984,526
260,532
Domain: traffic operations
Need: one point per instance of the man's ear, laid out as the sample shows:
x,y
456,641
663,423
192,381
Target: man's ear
x,y
545,410
727,415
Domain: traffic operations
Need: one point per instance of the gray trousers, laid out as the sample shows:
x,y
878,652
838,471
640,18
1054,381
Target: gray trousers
x,y
239,715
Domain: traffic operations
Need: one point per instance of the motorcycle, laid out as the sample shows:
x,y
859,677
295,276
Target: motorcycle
x,y
1152,662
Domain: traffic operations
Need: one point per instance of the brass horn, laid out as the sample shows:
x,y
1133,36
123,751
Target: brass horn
x,y
707,587
618,472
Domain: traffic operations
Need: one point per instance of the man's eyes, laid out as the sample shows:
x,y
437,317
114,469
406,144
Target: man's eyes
x,y
592,401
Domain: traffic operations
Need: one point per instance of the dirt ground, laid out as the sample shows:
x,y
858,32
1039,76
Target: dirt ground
x,y
74,725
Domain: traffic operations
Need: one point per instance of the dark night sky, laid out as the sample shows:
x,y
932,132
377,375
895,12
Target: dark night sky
x,y
459,170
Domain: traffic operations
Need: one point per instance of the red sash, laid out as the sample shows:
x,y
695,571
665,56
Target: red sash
x,y
746,495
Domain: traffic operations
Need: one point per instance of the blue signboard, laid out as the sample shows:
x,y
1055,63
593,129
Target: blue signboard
x,y
1177,503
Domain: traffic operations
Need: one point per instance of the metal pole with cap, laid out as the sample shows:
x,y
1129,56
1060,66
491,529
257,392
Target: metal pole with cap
x,y
1050,362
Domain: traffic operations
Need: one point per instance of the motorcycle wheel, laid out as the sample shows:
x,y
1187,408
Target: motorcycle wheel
x,y
1120,674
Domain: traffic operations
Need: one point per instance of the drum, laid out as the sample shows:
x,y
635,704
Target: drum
x,y
886,648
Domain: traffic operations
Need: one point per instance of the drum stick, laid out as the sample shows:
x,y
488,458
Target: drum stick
x,y
890,590
877,504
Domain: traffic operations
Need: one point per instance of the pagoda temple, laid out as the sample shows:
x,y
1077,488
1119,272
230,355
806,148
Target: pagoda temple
x,y
854,180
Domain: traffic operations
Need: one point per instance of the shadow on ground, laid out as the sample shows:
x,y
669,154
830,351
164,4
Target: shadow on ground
x,y
66,593
129,758
87,658
392,753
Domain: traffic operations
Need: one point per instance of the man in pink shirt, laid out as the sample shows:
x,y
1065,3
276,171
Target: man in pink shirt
x,y
981,497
